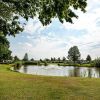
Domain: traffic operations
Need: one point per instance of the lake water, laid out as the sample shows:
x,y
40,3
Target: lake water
x,y
53,70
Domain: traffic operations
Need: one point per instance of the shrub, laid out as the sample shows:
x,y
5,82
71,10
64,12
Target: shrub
x,y
96,62
17,65
30,63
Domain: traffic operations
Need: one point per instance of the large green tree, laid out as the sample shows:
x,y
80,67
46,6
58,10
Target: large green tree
x,y
74,54
45,10
5,53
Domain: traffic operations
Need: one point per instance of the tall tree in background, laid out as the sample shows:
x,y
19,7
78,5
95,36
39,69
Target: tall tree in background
x,y
5,53
88,58
64,59
25,57
74,54
45,10
59,59
16,59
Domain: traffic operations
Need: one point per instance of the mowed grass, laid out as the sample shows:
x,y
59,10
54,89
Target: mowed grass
x,y
17,86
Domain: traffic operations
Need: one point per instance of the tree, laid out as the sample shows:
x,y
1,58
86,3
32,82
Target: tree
x,y
96,62
5,53
41,60
16,59
7,56
52,59
88,58
46,59
59,59
64,59
25,57
74,54
32,59
45,10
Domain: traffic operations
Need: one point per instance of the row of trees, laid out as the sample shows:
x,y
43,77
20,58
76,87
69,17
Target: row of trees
x,y
73,55
5,54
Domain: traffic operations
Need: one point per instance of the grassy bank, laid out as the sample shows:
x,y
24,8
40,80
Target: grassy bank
x,y
17,86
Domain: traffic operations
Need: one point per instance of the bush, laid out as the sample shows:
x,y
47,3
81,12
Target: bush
x,y
96,62
30,63
17,65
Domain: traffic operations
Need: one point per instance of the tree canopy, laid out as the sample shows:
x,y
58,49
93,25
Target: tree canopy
x,y
5,53
74,54
45,10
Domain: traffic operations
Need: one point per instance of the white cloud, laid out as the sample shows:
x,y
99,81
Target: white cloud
x,y
34,27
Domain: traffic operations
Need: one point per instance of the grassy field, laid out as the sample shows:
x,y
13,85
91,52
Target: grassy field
x,y
17,86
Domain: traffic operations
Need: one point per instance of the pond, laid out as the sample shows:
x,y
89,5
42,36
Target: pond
x,y
54,70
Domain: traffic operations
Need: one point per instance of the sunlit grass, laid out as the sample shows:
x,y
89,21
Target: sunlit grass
x,y
17,86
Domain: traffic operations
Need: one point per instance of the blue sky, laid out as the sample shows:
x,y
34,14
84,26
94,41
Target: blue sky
x,y
55,39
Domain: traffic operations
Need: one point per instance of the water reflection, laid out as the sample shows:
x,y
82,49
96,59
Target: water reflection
x,y
69,71
16,68
25,68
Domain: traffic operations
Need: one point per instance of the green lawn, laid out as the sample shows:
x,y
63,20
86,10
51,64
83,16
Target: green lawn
x,y
17,86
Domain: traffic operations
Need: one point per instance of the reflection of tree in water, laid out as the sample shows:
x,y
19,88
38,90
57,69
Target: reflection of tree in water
x,y
75,72
70,73
25,69
89,72
17,67
98,72
85,73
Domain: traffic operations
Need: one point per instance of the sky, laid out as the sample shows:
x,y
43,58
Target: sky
x,y
55,39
